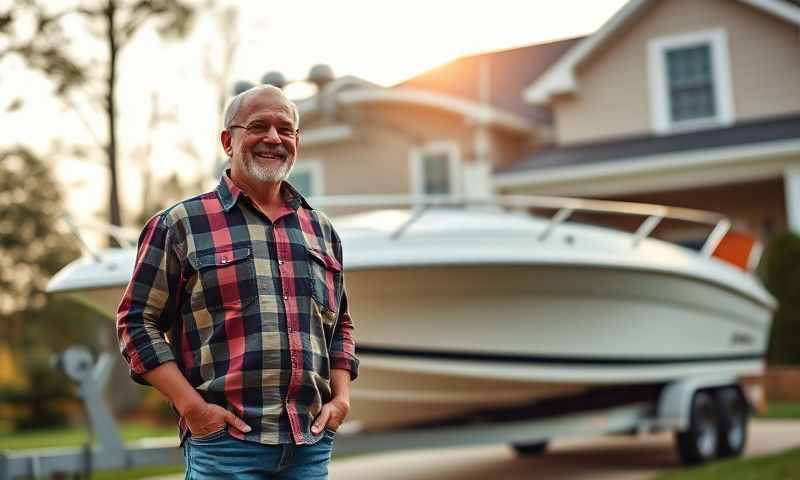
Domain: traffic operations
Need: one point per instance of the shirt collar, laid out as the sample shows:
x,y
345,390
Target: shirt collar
x,y
229,193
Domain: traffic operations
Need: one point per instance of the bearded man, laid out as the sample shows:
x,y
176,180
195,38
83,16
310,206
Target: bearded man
x,y
237,311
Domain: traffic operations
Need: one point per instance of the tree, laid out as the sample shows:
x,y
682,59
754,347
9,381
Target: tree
x,y
218,62
781,270
218,67
164,193
34,245
32,249
37,33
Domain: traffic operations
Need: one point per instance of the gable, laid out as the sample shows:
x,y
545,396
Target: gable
x,y
560,78
623,90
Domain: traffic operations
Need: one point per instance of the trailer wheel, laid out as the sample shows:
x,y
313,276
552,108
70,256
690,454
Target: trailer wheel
x,y
734,414
700,442
529,449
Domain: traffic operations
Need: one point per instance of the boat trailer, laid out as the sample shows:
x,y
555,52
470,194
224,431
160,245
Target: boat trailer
x,y
674,407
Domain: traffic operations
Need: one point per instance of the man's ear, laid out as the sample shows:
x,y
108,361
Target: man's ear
x,y
225,139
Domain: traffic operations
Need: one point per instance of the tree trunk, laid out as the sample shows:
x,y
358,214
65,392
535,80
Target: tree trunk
x,y
111,111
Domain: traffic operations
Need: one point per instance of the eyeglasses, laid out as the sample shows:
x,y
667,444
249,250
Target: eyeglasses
x,y
262,129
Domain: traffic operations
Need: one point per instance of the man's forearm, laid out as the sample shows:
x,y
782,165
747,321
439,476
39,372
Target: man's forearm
x,y
168,380
340,384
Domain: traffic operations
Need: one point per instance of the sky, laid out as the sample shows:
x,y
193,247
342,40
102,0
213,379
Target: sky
x,y
380,41
386,42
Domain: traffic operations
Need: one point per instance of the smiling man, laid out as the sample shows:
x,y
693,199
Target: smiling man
x,y
237,312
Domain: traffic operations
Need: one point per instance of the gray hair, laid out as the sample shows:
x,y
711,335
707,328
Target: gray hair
x,y
236,104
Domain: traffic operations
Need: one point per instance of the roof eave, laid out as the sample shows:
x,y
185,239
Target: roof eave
x,y
472,110
780,9
654,164
560,77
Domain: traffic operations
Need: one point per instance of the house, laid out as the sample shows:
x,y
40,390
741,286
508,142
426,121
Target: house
x,y
678,102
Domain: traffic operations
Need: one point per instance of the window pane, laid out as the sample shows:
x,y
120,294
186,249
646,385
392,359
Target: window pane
x,y
301,180
691,83
436,173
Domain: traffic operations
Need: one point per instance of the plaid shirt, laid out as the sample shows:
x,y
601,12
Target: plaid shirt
x,y
253,312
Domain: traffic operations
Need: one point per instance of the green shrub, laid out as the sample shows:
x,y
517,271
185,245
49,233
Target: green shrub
x,y
781,271
39,405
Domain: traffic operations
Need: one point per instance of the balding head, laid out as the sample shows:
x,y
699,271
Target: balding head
x,y
239,101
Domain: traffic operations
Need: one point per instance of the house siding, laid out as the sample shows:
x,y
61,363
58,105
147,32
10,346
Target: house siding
x,y
508,148
613,97
761,219
376,159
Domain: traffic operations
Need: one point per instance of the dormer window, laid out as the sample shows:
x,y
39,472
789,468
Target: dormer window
x,y
690,82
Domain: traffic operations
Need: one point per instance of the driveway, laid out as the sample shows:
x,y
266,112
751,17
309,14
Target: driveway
x,y
604,458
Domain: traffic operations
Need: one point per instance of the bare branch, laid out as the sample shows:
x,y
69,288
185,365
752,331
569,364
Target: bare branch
x,y
131,27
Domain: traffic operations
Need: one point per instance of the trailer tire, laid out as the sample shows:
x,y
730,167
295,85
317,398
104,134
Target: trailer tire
x,y
530,449
700,442
734,414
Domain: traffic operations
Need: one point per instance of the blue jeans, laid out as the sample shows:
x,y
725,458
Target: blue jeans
x,y
221,456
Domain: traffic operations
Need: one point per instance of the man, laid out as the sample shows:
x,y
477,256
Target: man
x,y
237,313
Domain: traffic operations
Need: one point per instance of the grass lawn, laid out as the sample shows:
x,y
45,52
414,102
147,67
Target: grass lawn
x,y
783,466
781,410
74,436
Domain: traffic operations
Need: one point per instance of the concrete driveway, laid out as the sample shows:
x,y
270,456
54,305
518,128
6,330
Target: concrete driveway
x,y
604,458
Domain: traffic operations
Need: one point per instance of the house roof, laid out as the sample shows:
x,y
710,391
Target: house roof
x,y
350,90
560,77
744,133
510,71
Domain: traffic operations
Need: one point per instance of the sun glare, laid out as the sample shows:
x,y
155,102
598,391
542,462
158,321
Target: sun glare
x,y
381,42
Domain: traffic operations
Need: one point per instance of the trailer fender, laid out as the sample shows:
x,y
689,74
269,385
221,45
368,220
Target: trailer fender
x,y
674,402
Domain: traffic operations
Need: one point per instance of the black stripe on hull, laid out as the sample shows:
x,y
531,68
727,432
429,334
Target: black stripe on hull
x,y
549,359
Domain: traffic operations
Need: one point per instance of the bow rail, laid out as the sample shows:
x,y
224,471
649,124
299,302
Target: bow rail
x,y
124,236
564,208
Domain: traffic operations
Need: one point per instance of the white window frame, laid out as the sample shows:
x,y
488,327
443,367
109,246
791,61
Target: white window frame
x,y
448,147
717,40
315,168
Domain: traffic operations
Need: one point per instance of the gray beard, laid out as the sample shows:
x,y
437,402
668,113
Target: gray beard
x,y
263,173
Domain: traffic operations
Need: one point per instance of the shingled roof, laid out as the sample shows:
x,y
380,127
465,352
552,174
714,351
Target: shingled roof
x,y
743,133
510,72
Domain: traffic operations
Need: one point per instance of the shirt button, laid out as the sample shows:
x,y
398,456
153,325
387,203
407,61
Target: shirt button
x,y
280,262
224,260
286,297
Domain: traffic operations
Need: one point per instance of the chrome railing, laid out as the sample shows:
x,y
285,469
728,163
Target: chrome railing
x,y
564,208
125,237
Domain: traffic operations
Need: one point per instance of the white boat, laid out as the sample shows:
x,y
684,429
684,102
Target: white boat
x,y
468,307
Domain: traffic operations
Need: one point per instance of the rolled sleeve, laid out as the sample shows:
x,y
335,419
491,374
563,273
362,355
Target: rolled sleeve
x,y
148,307
343,346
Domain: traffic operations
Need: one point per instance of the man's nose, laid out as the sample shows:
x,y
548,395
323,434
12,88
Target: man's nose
x,y
271,136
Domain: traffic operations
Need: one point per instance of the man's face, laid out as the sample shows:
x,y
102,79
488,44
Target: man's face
x,y
267,149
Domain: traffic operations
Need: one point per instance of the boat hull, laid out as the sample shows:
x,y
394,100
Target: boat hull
x,y
449,340
440,342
